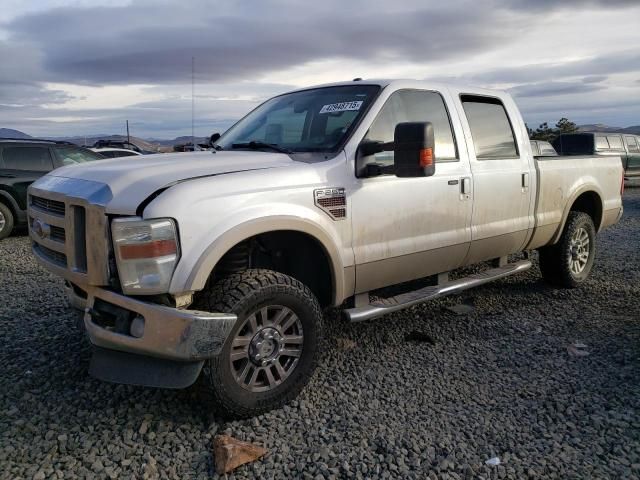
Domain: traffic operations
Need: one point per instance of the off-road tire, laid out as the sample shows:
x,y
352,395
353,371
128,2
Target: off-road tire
x,y
555,260
242,294
7,215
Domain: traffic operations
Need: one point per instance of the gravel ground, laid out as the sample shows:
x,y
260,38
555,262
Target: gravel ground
x,y
498,381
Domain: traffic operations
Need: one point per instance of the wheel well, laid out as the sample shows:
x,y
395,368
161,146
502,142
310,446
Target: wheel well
x,y
589,203
293,253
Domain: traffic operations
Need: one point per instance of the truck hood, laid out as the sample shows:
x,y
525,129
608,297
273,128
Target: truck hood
x,y
134,179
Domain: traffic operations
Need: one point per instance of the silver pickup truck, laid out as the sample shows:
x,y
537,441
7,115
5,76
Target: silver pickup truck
x,y
218,264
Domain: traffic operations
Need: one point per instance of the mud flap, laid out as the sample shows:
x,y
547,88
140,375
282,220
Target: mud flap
x,y
120,367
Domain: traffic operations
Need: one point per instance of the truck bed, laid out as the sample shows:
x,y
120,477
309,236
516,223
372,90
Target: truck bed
x,y
556,176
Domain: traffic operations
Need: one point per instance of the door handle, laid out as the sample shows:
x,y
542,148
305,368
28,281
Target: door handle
x,y
465,186
525,180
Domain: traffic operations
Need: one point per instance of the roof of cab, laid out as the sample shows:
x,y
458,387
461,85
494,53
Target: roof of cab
x,y
407,83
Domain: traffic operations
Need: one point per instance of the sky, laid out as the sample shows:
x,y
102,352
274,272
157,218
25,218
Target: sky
x,y
80,67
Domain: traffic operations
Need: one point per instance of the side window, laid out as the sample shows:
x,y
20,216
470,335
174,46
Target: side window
x,y
534,147
615,142
631,143
601,143
27,158
414,106
491,130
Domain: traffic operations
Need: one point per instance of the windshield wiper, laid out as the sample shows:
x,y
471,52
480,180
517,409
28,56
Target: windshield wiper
x,y
256,145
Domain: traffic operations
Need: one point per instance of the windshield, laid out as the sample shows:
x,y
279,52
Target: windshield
x,y
316,120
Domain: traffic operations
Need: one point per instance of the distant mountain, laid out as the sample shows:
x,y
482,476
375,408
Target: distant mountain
x,y
599,127
177,141
11,133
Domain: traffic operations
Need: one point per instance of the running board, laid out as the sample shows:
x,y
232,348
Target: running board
x,y
404,300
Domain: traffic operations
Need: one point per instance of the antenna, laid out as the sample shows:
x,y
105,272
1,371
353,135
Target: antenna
x,y
193,102
128,138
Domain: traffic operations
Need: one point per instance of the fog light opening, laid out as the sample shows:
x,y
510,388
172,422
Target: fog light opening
x,y
137,327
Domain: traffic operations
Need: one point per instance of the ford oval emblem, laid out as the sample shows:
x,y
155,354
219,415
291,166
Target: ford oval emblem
x,y
40,228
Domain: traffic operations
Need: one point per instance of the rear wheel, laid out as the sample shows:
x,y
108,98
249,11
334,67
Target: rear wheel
x,y
569,262
272,350
6,221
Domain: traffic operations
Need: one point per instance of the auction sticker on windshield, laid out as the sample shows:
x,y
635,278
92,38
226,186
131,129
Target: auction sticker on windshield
x,y
341,107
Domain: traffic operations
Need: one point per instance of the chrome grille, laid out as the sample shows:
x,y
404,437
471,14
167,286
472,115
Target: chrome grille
x,y
69,230
50,206
57,234
58,258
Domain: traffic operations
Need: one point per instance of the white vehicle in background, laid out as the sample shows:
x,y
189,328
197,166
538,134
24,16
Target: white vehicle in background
x,y
109,152
219,263
542,148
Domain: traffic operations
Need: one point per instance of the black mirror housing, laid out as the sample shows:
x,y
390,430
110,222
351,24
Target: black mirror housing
x,y
214,138
414,146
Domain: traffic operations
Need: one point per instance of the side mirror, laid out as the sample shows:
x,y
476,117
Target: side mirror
x,y
214,138
414,149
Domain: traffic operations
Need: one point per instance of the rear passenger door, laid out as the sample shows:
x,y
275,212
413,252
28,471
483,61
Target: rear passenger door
x,y
503,178
23,165
633,155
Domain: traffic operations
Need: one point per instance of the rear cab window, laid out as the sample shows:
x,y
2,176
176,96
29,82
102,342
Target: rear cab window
x,y
491,129
29,158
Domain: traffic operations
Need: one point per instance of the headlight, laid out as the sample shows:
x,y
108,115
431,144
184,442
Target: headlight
x,y
147,252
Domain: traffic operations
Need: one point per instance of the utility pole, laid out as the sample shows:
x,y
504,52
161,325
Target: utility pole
x,y
128,138
193,101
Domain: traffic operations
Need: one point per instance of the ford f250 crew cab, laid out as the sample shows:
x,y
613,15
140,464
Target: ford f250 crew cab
x,y
218,264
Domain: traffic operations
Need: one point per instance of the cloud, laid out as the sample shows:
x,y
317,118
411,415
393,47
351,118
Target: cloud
x,y
546,5
613,62
144,43
249,50
594,79
547,89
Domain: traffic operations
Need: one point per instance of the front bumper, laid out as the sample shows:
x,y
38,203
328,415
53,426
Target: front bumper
x,y
168,352
168,333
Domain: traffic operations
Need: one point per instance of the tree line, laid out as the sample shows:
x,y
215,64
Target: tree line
x,y
545,132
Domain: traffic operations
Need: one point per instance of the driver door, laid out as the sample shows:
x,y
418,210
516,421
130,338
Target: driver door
x,y
408,228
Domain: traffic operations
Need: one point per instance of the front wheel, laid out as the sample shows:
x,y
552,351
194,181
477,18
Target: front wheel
x,y
272,350
6,221
569,262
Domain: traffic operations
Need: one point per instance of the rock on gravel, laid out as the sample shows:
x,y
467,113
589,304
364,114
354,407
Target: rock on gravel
x,y
230,453
496,382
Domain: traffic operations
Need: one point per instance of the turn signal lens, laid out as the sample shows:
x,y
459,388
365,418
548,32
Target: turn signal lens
x,y
426,157
157,248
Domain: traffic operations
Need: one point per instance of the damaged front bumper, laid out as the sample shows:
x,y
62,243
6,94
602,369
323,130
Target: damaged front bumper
x,y
145,343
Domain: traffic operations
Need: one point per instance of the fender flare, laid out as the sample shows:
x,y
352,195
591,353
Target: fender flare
x,y
222,244
567,208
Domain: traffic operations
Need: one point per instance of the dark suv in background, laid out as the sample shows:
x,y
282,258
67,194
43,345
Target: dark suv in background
x,y
24,161
625,146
